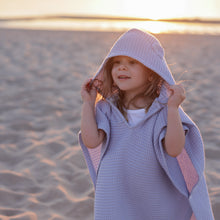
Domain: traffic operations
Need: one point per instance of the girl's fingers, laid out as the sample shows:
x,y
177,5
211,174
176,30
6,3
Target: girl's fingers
x,y
86,85
177,95
177,88
171,89
86,82
88,91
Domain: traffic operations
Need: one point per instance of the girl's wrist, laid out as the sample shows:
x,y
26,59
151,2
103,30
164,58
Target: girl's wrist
x,y
89,103
172,107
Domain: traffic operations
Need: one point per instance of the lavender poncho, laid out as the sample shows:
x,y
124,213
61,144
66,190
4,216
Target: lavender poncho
x,y
134,178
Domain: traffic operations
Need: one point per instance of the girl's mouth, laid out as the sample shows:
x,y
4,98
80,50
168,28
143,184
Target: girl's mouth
x,y
123,77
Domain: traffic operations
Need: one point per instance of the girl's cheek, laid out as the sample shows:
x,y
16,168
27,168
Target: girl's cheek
x,y
113,73
113,69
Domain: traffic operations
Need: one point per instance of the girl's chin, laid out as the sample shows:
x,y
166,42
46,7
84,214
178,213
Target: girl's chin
x,y
124,89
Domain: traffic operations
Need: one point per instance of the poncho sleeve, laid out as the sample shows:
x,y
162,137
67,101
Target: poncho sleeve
x,y
186,171
93,156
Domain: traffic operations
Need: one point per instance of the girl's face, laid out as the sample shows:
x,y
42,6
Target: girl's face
x,y
129,75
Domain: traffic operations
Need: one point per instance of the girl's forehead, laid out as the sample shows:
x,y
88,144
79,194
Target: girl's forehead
x,y
123,57
127,58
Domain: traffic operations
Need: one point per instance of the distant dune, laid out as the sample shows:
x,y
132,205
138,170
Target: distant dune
x,y
49,17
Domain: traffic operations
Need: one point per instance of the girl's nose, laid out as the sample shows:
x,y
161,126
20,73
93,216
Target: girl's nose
x,y
122,67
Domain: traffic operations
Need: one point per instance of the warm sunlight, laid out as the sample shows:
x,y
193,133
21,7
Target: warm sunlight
x,y
97,14
156,9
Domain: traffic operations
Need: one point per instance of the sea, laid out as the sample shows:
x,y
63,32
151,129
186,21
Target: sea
x,y
91,24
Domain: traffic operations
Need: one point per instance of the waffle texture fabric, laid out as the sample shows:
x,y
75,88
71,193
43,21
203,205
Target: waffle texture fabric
x,y
134,177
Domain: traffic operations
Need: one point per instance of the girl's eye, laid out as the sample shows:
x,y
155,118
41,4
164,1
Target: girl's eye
x,y
132,62
116,62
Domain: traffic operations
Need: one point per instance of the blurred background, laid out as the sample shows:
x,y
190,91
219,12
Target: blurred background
x,y
184,16
47,49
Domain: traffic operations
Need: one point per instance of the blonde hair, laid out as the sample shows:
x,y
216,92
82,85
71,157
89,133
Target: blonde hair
x,y
152,90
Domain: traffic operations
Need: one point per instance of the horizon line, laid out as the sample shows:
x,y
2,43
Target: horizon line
x,y
101,17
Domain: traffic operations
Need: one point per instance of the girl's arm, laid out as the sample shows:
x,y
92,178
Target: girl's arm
x,y
175,135
91,135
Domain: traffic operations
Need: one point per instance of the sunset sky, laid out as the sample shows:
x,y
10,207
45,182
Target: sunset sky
x,y
154,9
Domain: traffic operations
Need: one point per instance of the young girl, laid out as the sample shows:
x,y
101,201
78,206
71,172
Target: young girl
x,y
144,154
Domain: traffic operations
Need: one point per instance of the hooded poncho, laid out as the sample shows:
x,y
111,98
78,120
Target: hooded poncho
x,y
134,178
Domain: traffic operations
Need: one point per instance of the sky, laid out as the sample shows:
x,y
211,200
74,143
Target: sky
x,y
153,9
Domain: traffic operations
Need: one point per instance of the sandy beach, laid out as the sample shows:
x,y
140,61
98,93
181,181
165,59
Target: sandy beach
x,y
43,174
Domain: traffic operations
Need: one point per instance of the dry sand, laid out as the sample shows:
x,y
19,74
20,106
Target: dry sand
x,y
42,172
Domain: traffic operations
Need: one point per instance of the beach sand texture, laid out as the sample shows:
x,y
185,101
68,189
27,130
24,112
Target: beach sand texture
x,y
42,171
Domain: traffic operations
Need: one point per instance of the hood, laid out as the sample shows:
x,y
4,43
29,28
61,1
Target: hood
x,y
143,47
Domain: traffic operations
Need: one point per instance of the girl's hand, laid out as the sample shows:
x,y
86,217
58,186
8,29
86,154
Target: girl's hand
x,y
177,95
88,92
